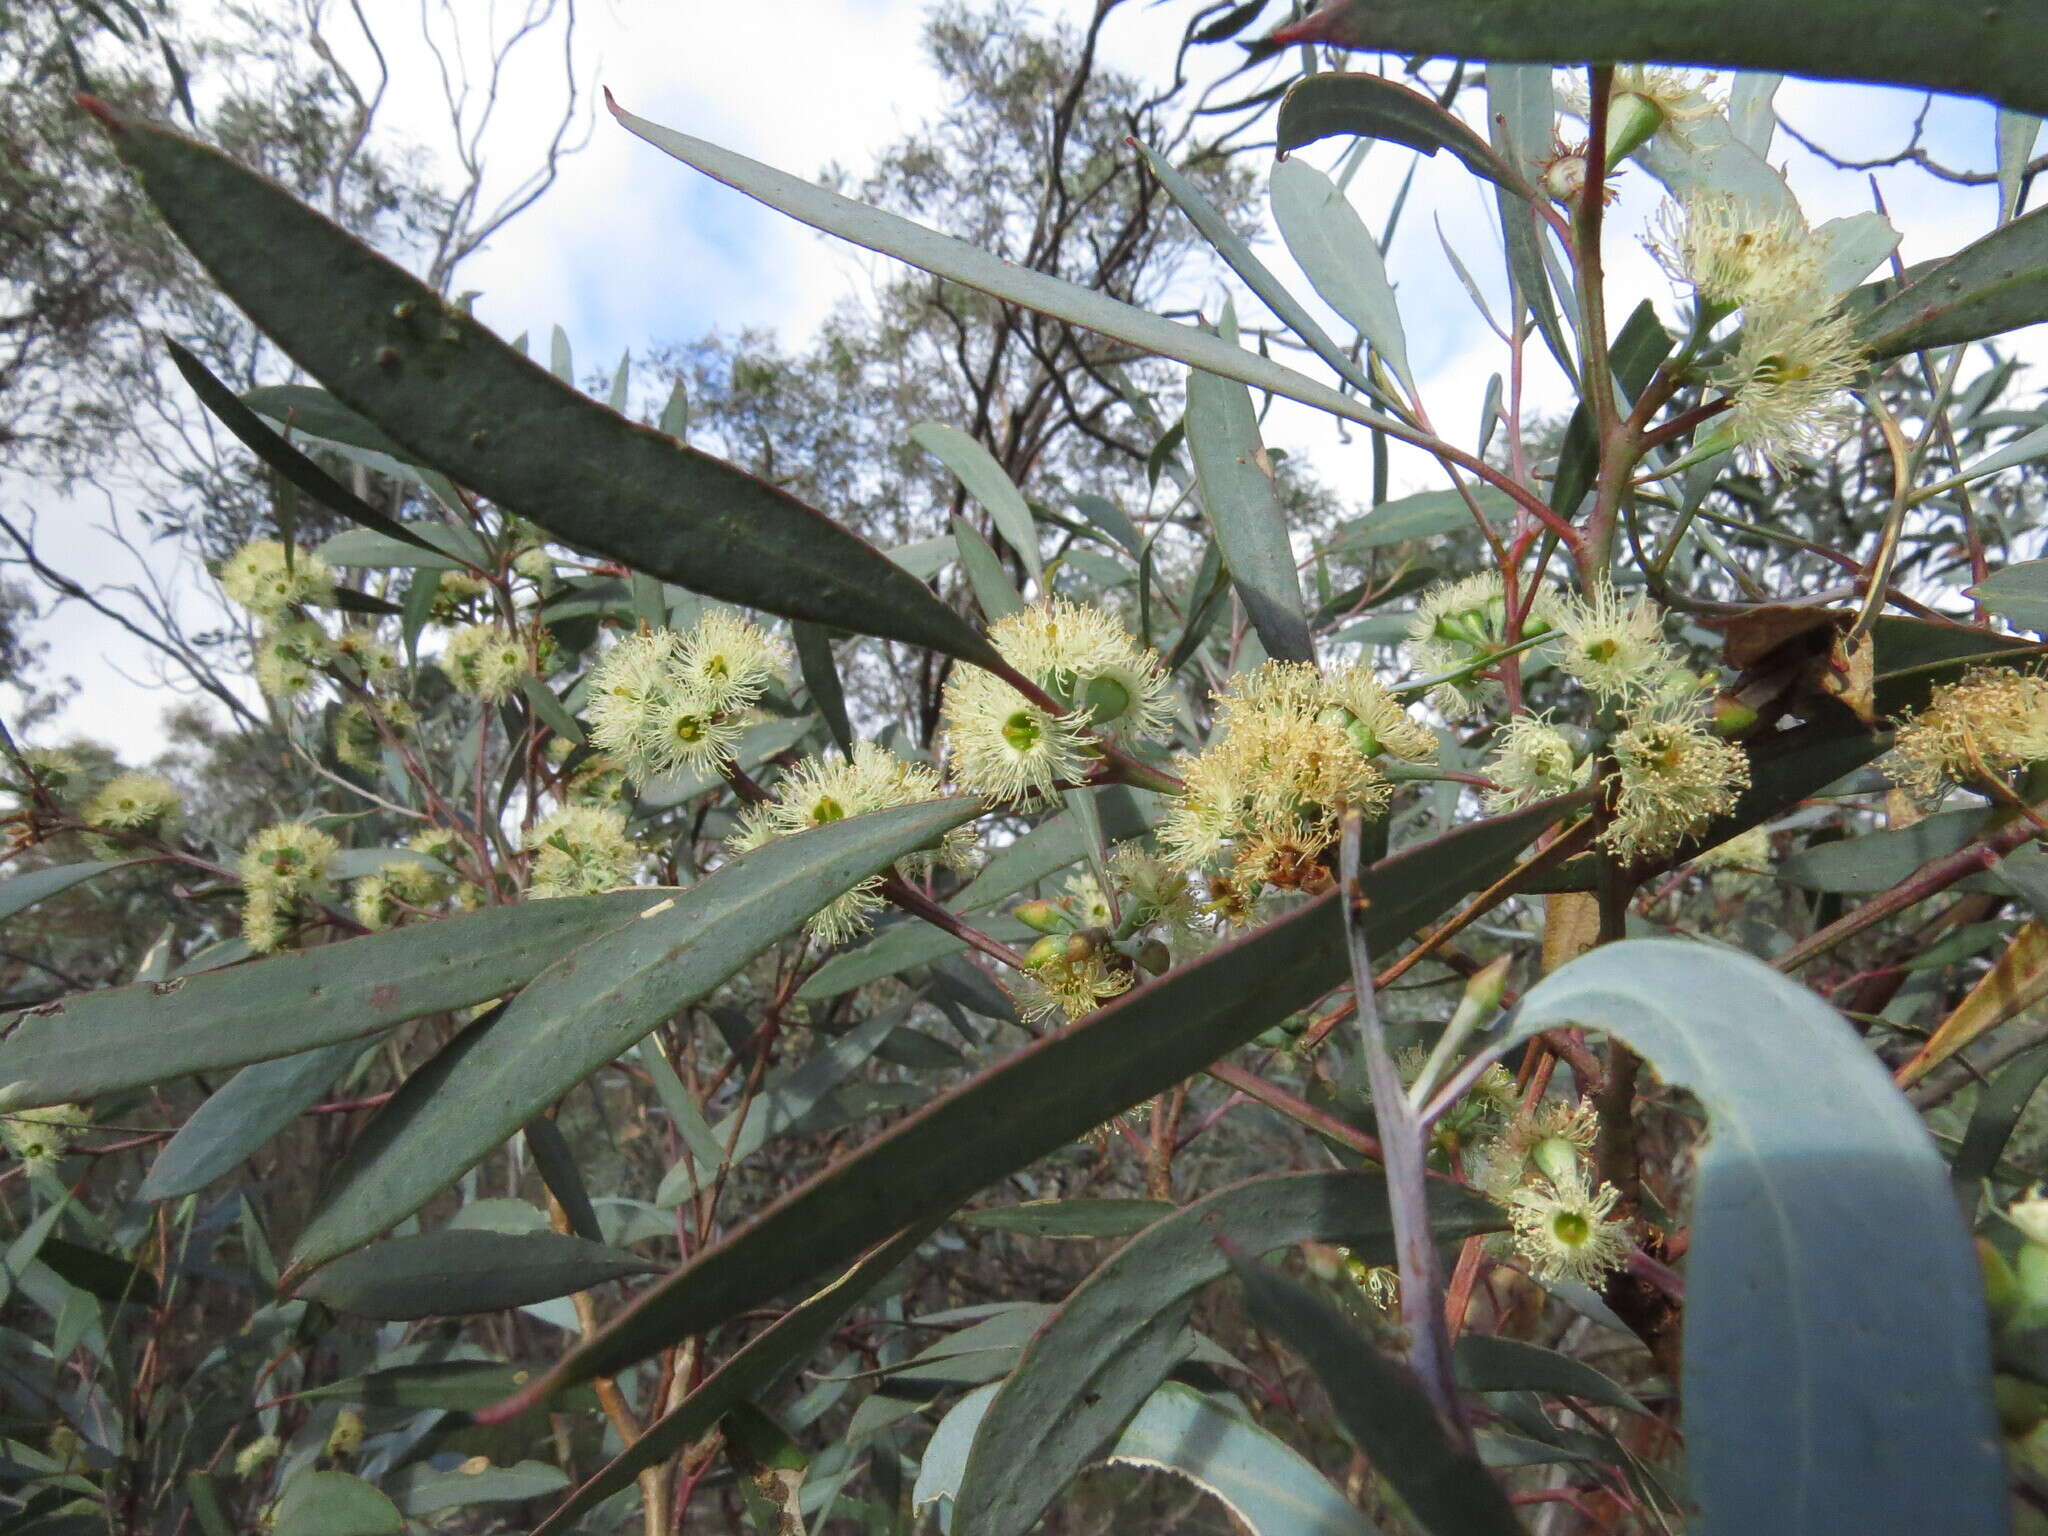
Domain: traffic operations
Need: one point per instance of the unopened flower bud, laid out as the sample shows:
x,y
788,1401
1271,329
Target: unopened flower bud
x,y
1045,952
1081,947
1731,716
1631,121
1043,916
1556,1158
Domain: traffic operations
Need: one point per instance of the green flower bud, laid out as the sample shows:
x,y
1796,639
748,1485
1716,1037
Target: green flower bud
x,y
1044,916
1045,952
1631,121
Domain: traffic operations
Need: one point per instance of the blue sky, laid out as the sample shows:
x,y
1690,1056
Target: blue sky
x,y
632,247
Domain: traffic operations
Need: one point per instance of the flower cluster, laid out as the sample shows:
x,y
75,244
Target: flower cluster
x,y
818,791
39,1137
580,850
664,702
1563,1224
1097,940
487,661
1458,631
404,886
1106,684
132,803
271,581
1990,722
283,868
1796,352
1675,776
1293,749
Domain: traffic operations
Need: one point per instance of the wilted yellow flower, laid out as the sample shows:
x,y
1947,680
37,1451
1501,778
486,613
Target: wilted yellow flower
x,y
1565,1229
256,577
1993,720
819,791
346,1437
486,661
580,850
1676,776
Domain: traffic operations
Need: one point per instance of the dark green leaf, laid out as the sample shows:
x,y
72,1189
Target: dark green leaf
x,y
1485,1363
1051,1093
459,1271
1370,106
128,1037
1991,286
459,1386
821,677
1119,1333
556,1165
794,1338
1383,1408
1977,52
250,1108
591,1006
996,594
550,709
1112,520
297,470
1999,1106
1070,1218
440,384
98,1274
1828,1258
1243,505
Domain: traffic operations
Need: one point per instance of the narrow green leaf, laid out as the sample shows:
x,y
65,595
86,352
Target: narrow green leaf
x,y
433,547
1828,1257
821,677
459,1271
1976,52
1070,1218
993,590
876,230
1521,117
1049,1094
1425,515
1485,1363
591,1006
556,1164
458,1386
1637,349
1991,286
1112,520
334,1504
297,470
1999,1107
1243,506
550,709
129,1037
1751,114
1374,107
2020,450
245,1112
987,484
1340,258
440,384
1383,1408
98,1274
792,1339
1116,1337
19,892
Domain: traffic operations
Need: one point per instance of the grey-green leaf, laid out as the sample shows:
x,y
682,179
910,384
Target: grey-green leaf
x,y
335,1504
1336,102
1835,1356
128,1037
1243,504
251,1107
987,484
1070,1218
590,1007
2016,592
23,891
1339,256
459,1271
1991,286
420,1490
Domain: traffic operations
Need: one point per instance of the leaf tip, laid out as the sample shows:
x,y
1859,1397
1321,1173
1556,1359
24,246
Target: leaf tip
x,y
611,102
109,119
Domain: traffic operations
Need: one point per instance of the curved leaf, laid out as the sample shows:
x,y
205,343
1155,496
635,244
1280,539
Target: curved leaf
x,y
987,484
1115,1338
1977,51
461,1270
1486,1363
1045,1097
334,1504
591,1006
127,1037
1837,1376
793,1338
1243,504
251,1107
1339,256
23,891
421,1490
442,386
1070,1218
1383,1407
1372,106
